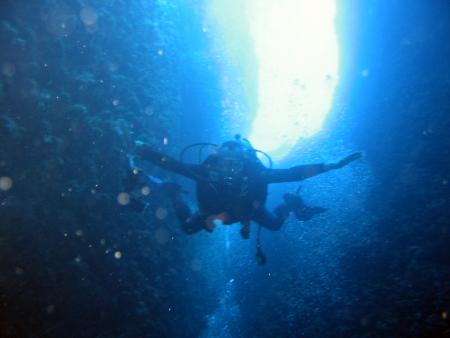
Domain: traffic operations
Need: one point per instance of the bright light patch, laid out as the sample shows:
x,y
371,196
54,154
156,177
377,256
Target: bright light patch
x,y
296,46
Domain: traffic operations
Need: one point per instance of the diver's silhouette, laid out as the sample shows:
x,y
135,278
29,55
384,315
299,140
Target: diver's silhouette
x,y
232,187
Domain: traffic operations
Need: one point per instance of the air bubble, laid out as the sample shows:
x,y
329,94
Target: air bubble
x,y
6,183
8,69
123,198
161,213
88,16
162,235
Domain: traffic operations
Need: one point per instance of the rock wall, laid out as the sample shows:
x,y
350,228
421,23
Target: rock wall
x,y
80,81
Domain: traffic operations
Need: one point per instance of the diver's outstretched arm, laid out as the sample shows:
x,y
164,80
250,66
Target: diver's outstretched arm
x,y
191,171
302,172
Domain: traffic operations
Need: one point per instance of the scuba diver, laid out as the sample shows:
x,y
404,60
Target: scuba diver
x,y
231,186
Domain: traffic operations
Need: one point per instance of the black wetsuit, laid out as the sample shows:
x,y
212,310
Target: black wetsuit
x,y
242,200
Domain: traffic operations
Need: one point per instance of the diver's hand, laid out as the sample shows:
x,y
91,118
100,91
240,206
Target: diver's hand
x,y
347,160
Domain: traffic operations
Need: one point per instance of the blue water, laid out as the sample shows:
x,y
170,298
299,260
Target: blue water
x,y
81,81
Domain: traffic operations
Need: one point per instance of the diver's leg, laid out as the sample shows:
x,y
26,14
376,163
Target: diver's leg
x,y
194,224
292,203
271,220
190,223
301,211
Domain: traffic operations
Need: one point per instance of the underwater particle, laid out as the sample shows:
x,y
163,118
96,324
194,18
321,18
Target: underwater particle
x,y
196,264
444,182
115,102
61,21
365,73
113,67
78,259
123,198
165,141
256,204
160,52
148,111
161,213
50,309
135,171
93,191
19,271
117,255
79,233
162,235
8,69
364,321
444,315
88,16
6,183
102,241
145,191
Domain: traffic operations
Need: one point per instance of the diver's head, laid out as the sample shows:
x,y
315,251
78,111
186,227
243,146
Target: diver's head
x,y
231,149
237,148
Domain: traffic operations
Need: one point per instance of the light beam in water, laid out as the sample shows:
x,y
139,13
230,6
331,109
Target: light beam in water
x,y
296,46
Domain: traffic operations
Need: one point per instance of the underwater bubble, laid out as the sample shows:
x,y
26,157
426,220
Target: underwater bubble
x,y
161,213
50,309
148,110
115,102
196,264
165,141
61,21
135,171
117,255
256,204
365,73
123,198
160,52
6,183
113,67
89,16
8,69
145,191
162,235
